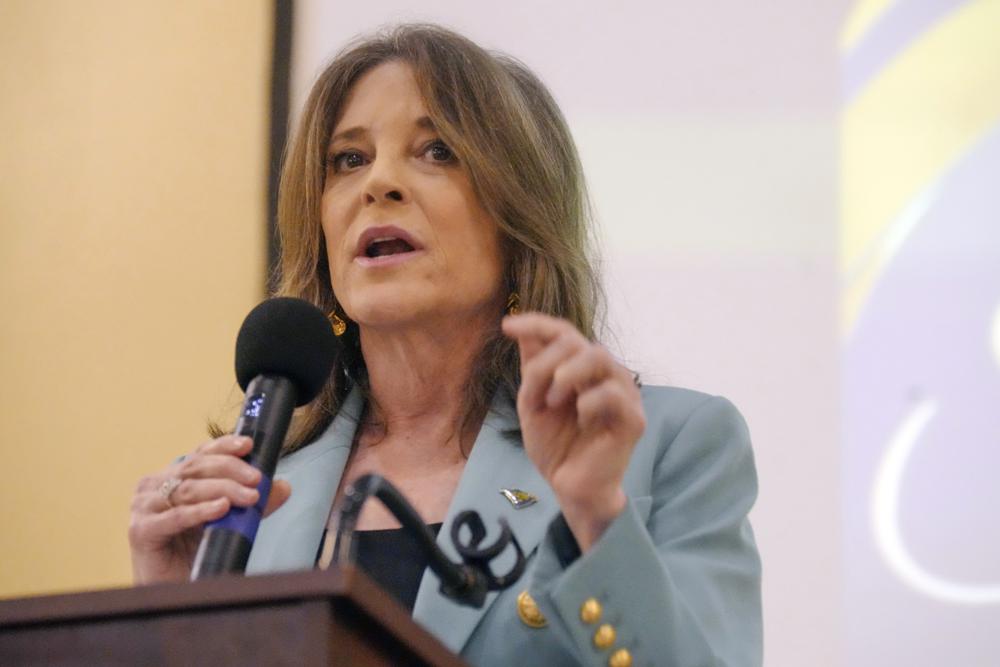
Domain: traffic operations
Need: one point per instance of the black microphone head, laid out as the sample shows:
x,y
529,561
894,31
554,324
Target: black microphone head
x,y
287,337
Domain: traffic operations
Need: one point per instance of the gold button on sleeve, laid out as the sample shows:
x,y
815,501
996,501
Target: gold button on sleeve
x,y
620,658
590,611
604,636
528,611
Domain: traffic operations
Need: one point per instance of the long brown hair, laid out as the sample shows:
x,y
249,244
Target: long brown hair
x,y
511,137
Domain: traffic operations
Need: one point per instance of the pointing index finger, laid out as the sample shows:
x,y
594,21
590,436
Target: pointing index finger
x,y
545,328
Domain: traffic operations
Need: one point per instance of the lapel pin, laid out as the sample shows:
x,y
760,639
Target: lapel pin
x,y
518,498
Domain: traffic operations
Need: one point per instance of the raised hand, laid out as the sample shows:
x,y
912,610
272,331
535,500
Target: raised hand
x,y
581,415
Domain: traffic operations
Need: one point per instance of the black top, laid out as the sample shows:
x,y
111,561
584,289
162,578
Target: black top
x,y
393,559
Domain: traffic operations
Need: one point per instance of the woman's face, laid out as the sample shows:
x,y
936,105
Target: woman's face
x,y
406,237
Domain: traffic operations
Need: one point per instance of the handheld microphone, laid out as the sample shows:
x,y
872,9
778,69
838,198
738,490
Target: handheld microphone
x,y
284,354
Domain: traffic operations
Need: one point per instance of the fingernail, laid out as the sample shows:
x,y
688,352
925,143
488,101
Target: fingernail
x,y
249,494
252,475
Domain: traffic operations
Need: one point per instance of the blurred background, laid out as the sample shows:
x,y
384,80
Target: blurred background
x,y
800,209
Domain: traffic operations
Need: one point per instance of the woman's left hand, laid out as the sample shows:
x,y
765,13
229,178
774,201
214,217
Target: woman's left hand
x,y
581,415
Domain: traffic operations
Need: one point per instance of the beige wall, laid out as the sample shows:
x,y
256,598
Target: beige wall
x,y
132,205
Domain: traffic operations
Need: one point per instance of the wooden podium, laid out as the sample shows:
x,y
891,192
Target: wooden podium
x,y
329,617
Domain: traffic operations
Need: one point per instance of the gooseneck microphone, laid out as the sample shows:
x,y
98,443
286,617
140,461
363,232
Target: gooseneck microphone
x,y
284,355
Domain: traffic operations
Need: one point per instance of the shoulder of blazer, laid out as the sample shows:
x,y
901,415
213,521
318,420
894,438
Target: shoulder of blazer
x,y
668,409
682,427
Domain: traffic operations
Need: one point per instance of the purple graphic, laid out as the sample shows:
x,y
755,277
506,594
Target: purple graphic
x,y
922,427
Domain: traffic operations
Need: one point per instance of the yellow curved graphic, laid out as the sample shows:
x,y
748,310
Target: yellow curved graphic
x,y
865,14
911,122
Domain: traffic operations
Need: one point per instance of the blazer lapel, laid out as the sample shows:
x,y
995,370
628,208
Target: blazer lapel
x,y
291,540
497,461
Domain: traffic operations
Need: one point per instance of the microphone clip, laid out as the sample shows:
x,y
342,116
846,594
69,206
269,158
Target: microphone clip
x,y
477,560
466,583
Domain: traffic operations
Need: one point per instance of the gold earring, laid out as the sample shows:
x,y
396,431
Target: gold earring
x,y
513,304
339,325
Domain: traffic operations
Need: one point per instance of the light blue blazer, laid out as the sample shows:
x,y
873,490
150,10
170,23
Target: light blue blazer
x,y
677,573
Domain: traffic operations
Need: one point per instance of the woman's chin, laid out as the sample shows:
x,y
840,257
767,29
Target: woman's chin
x,y
404,315
388,314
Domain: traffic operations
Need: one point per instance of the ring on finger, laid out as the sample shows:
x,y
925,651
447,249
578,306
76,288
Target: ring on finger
x,y
168,487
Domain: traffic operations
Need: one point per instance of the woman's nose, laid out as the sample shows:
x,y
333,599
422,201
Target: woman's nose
x,y
384,184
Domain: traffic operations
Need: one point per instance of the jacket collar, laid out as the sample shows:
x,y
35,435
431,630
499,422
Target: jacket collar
x,y
497,461
290,538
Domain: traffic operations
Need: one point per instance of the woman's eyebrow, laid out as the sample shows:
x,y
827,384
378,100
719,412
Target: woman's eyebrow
x,y
349,134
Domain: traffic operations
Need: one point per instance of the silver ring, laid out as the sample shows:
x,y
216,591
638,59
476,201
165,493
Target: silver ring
x,y
168,487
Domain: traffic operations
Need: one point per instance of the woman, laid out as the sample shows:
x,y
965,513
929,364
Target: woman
x,y
432,189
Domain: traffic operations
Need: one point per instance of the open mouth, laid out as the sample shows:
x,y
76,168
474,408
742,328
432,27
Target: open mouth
x,y
385,245
381,247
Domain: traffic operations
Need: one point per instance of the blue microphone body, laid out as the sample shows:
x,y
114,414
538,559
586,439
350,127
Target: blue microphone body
x,y
285,352
267,411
